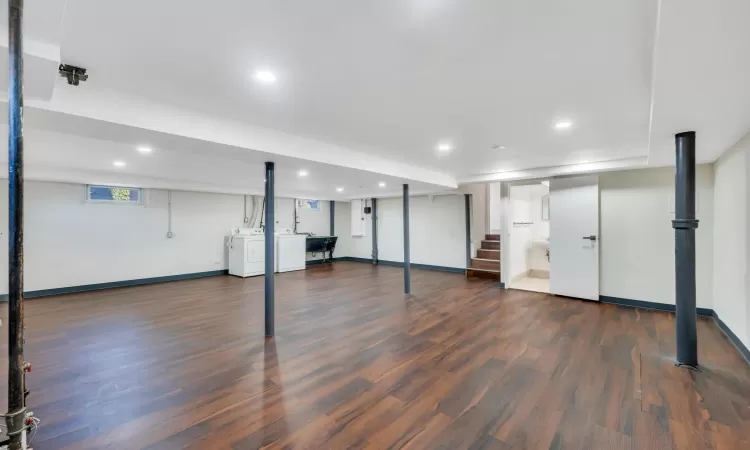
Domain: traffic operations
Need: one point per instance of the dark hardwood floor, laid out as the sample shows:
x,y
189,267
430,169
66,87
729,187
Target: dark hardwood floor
x,y
356,364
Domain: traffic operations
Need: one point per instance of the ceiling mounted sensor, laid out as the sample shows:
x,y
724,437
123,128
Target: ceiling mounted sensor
x,y
74,74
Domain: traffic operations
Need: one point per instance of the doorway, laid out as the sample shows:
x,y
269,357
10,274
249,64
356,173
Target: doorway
x,y
529,231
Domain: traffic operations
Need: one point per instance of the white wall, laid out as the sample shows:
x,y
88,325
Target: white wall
x,y
526,206
437,231
731,297
69,242
537,257
479,214
495,208
637,239
361,246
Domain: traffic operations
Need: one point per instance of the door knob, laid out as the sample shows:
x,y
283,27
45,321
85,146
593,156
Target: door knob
x,y
590,238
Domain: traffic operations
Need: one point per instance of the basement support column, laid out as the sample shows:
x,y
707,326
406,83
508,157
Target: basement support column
x,y
467,207
16,415
684,229
270,249
407,263
374,217
333,217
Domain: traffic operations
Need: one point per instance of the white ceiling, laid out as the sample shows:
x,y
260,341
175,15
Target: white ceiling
x,y
366,90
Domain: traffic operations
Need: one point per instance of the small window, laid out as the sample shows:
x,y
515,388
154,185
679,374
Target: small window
x,y
115,194
308,204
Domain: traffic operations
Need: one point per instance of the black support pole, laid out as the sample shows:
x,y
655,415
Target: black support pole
x,y
407,263
333,217
467,207
270,248
684,226
374,216
16,415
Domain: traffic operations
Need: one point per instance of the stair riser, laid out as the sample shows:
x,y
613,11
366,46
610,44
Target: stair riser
x,y
488,275
488,254
491,265
491,245
492,237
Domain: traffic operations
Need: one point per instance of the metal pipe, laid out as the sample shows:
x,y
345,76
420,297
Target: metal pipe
x,y
467,208
333,217
16,416
270,250
407,264
374,216
684,226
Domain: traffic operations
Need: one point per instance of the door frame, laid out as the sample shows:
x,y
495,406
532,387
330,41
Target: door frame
x,y
507,221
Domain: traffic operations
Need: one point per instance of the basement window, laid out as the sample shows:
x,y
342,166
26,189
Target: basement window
x,y
114,194
308,204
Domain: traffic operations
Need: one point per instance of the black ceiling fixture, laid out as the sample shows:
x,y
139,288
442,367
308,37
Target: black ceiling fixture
x,y
74,74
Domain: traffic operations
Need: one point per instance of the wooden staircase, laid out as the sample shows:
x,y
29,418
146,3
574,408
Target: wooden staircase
x,y
487,262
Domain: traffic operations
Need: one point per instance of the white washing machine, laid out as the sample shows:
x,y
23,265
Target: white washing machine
x,y
290,251
247,253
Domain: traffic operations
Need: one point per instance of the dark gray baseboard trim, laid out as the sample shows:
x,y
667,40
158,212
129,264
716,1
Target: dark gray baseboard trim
x,y
423,266
313,262
732,338
360,260
649,305
116,284
392,263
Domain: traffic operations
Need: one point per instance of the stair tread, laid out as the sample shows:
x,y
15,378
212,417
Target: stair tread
x,y
484,270
485,259
490,240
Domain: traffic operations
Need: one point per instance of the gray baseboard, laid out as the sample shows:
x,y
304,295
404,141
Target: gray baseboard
x,y
116,284
423,266
738,344
393,263
649,305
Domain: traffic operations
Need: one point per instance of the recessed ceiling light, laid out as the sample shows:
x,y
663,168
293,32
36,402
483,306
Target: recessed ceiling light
x,y
339,189
302,173
563,125
444,147
381,184
144,150
119,163
265,76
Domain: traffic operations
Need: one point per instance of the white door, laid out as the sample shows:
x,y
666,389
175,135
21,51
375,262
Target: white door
x,y
574,237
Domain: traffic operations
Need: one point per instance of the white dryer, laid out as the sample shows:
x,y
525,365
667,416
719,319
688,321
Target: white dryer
x,y
290,250
247,253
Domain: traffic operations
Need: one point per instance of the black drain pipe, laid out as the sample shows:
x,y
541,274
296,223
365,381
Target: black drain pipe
x,y
374,218
407,264
333,217
16,417
270,250
467,207
684,226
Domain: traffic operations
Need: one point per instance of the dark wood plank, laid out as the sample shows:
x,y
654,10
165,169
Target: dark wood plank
x,y
461,364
